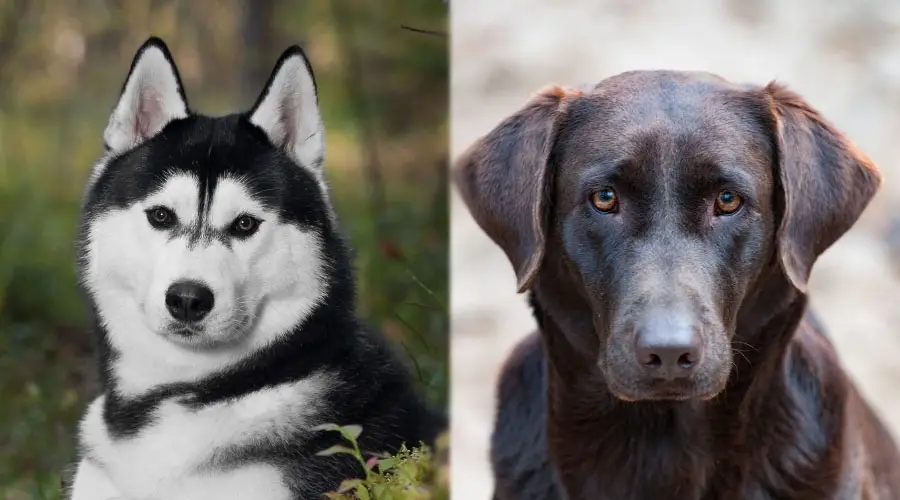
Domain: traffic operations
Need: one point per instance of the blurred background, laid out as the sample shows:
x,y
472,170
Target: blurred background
x,y
843,56
383,92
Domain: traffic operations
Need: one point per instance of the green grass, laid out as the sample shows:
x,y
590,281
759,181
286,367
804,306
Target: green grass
x,y
52,114
45,366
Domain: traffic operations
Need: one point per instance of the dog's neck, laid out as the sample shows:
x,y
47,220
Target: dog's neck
x,y
588,425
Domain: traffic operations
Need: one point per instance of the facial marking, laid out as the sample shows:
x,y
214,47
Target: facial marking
x,y
216,210
181,194
265,262
230,200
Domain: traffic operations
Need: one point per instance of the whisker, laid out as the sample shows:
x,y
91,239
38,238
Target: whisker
x,y
743,355
751,346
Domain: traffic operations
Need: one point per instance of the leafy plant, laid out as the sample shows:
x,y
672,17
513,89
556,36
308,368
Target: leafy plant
x,y
61,66
410,474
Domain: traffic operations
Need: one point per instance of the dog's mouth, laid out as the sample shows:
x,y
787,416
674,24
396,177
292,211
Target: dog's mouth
x,y
206,335
185,330
663,390
674,390
667,392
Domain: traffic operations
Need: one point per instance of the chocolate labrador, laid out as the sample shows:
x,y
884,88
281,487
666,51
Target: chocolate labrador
x,y
665,224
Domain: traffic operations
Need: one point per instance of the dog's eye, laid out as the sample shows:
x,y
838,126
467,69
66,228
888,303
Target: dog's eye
x,y
244,226
161,217
728,202
605,200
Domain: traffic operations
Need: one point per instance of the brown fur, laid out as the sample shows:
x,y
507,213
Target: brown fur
x,y
768,413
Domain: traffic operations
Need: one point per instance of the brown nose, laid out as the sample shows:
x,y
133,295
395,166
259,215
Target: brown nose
x,y
668,345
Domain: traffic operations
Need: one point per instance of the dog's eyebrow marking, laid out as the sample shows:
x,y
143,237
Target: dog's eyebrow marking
x,y
225,201
183,193
205,211
231,199
179,193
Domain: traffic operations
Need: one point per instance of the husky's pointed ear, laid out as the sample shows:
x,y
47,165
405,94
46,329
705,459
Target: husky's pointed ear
x,y
151,97
288,110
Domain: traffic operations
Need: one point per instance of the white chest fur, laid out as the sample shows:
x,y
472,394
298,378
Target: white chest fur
x,y
174,457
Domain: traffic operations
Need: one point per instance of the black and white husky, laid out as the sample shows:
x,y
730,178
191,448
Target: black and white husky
x,y
224,303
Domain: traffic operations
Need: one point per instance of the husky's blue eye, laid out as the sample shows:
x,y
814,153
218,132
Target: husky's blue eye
x,y
161,217
244,226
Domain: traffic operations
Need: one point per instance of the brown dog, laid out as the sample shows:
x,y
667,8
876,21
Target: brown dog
x,y
665,224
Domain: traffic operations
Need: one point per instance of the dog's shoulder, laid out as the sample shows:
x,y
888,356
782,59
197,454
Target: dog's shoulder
x,y
816,385
834,418
871,453
519,452
812,352
379,391
524,368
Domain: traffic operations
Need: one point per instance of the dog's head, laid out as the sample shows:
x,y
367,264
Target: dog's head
x,y
662,199
204,232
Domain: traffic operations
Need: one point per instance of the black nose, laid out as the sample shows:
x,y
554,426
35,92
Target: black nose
x,y
189,300
668,346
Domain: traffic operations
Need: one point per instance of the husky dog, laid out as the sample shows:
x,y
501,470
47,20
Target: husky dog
x,y
224,303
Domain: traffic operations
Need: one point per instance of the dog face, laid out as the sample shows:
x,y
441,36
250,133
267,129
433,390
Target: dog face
x,y
663,198
667,223
206,234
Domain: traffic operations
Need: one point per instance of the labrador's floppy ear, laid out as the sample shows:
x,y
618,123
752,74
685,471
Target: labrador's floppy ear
x,y
826,181
503,179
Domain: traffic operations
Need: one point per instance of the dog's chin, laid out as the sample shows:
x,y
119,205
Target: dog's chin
x,y
202,336
656,390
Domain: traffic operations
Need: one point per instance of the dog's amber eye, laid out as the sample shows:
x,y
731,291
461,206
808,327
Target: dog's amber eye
x,y
728,202
244,226
605,200
161,217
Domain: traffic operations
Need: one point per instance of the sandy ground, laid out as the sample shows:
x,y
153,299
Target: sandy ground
x,y
844,57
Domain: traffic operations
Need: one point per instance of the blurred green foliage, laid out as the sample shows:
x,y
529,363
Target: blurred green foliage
x,y
384,99
417,473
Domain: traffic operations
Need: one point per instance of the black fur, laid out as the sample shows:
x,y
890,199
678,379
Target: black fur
x,y
373,388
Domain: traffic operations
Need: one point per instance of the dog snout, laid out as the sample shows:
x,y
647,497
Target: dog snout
x,y
189,301
668,345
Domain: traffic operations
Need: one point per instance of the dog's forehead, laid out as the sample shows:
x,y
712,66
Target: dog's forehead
x,y
179,192
232,197
682,101
220,200
211,144
652,87
189,160
670,116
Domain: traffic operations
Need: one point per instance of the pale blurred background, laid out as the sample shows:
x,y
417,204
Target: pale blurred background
x,y
843,56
